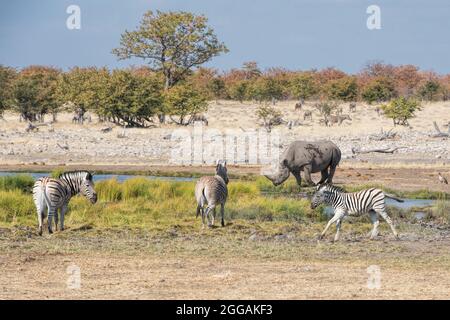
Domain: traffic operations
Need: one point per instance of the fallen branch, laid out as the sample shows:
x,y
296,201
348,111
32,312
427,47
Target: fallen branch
x,y
385,150
66,147
383,135
439,133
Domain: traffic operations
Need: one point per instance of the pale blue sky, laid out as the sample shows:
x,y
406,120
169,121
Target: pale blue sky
x,y
295,34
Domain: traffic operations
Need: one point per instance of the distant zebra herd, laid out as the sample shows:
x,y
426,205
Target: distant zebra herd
x,y
210,191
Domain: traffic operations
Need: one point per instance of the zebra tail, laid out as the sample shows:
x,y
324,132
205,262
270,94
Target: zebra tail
x,y
47,200
198,210
202,202
393,197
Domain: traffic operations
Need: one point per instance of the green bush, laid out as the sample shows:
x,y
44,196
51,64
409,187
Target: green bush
x,y
400,110
379,89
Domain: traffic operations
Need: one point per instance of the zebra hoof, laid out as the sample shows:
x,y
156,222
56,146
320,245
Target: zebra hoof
x,y
50,231
40,232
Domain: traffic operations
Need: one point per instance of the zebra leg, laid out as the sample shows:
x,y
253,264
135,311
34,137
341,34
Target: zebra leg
x,y
222,213
51,213
209,213
203,216
56,220
389,221
374,218
338,230
63,212
337,216
40,214
213,217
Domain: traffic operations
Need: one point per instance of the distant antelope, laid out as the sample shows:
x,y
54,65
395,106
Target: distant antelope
x,y
298,106
198,117
442,179
212,191
325,121
339,118
307,115
352,107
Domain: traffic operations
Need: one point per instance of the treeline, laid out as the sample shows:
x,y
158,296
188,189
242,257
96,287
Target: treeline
x,y
135,96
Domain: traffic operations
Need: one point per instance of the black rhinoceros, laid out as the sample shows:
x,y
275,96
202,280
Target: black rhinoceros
x,y
309,157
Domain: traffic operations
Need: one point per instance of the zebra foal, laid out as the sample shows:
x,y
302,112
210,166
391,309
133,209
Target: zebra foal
x,y
371,200
55,194
212,191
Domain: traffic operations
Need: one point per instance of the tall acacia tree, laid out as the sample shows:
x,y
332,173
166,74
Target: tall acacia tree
x,y
173,42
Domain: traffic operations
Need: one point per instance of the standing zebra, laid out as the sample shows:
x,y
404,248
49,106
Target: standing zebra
x,y
212,191
370,200
55,194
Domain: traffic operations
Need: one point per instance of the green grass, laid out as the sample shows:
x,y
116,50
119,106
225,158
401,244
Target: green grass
x,y
152,204
158,205
21,182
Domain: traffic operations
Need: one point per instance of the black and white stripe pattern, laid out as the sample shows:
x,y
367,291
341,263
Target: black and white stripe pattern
x,y
370,201
212,191
53,194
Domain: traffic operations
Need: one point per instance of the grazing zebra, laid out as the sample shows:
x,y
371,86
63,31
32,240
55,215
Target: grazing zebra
x,y
371,200
55,194
212,191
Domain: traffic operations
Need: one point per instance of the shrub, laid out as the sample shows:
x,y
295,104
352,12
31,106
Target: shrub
x,y
400,110
269,116
379,89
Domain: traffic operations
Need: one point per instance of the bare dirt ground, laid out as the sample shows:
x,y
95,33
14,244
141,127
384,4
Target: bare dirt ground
x,y
212,267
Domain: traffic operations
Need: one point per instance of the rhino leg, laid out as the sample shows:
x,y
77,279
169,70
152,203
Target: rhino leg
x,y
307,170
330,176
324,176
298,177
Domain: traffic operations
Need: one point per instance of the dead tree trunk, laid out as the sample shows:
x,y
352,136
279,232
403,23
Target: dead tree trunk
x,y
439,133
385,150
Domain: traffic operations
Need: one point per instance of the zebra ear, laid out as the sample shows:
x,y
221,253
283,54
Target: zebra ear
x,y
224,163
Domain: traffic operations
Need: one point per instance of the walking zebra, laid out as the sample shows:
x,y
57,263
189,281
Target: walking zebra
x,y
212,191
53,194
371,200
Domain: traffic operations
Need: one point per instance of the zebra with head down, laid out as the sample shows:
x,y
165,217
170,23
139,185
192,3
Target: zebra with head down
x,y
55,194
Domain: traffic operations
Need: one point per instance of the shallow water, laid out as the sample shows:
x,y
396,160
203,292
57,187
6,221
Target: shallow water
x,y
99,177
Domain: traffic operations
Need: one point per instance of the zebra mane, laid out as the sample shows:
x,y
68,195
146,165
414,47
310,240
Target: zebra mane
x,y
330,187
67,174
